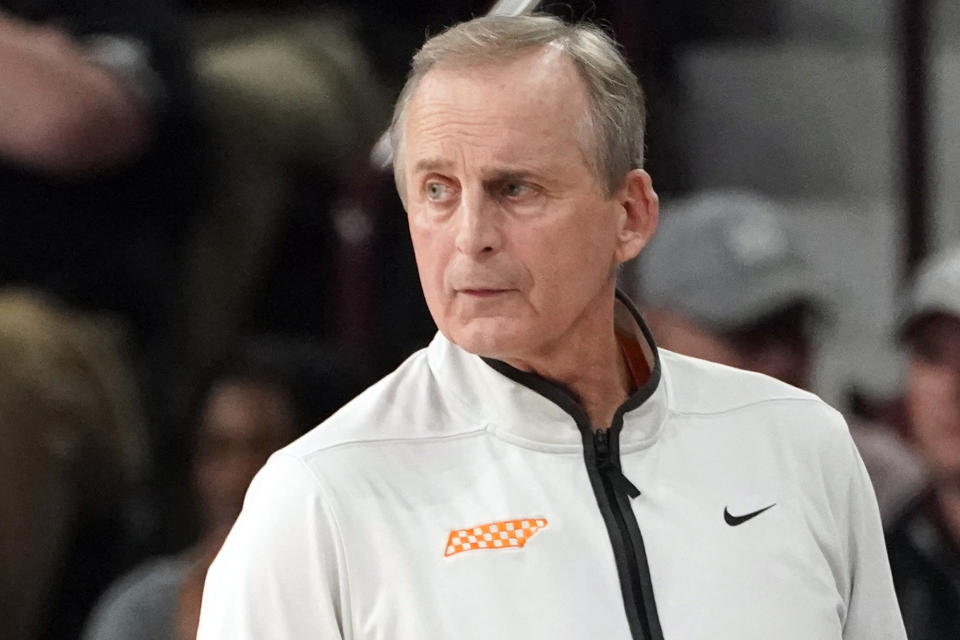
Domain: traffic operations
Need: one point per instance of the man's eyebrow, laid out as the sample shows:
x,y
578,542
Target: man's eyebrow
x,y
432,164
491,176
507,175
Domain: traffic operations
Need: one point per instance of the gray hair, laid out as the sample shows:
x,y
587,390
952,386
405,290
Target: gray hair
x,y
615,118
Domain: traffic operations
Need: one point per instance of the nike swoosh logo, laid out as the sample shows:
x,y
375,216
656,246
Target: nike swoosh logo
x,y
734,521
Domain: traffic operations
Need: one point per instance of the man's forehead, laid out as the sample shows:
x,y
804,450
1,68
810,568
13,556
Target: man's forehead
x,y
494,153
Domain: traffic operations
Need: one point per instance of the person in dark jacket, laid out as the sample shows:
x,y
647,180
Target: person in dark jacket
x,y
924,540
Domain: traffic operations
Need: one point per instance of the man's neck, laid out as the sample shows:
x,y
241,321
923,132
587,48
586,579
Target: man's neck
x,y
592,368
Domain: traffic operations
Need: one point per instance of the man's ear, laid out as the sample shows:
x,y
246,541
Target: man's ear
x,y
639,211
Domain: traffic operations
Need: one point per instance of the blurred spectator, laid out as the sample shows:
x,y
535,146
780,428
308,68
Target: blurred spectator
x,y
73,447
723,280
100,159
247,407
292,100
243,415
925,540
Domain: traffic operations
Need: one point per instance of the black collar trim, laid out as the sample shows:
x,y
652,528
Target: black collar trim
x,y
563,398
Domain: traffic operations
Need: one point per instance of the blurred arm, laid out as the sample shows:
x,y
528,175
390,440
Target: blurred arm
x,y
61,112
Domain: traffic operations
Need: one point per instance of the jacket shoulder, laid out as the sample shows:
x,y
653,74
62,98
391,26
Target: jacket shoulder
x,y
406,405
696,386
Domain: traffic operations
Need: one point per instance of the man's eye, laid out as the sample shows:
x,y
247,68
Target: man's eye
x,y
515,189
437,191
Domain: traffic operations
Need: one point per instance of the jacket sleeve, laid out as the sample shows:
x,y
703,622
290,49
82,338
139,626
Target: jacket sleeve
x,y
872,609
280,574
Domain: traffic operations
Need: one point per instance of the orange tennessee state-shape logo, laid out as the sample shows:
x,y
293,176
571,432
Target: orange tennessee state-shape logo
x,y
505,534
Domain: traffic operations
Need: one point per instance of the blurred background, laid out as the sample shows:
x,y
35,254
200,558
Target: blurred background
x,y
188,202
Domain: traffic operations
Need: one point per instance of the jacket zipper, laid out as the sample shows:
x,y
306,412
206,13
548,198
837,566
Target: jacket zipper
x,y
614,494
611,488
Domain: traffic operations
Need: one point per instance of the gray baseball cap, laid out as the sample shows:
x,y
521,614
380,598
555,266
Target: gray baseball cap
x,y
725,259
935,289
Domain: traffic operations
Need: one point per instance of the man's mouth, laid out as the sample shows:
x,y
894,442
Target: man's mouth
x,y
482,292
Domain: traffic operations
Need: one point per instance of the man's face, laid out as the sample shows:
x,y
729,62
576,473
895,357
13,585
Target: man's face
x,y
933,392
515,238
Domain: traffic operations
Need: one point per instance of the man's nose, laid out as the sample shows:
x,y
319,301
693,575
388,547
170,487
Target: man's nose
x,y
478,226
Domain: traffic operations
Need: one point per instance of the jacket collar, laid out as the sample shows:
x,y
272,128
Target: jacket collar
x,y
531,411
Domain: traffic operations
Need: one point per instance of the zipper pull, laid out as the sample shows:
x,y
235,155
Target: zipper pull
x,y
606,467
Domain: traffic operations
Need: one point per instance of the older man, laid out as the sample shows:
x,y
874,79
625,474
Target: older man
x,y
541,470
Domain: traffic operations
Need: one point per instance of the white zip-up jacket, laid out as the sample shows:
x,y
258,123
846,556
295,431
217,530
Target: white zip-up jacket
x,y
460,498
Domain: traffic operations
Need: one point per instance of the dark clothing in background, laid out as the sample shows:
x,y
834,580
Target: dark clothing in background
x,y
926,572
110,242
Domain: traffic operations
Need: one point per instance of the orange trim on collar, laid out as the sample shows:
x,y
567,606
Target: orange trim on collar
x,y
636,360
